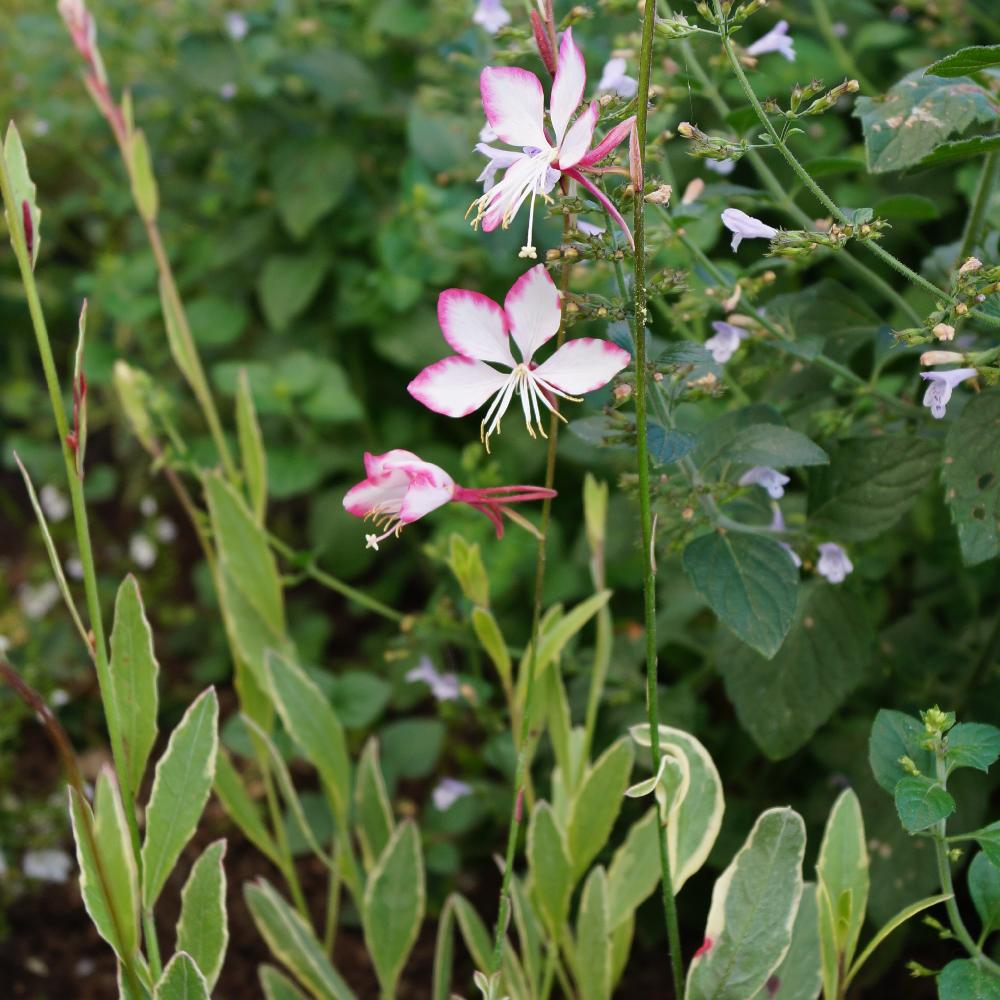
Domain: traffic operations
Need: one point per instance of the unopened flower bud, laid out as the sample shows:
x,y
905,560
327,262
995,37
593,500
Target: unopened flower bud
x,y
661,196
687,130
972,264
693,191
961,309
622,392
940,357
944,331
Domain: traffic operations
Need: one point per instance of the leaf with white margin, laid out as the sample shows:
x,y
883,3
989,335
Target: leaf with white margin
x,y
203,930
798,977
754,902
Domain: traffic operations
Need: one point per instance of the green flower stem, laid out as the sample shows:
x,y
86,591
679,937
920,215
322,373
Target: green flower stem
x,y
846,60
152,944
645,512
980,203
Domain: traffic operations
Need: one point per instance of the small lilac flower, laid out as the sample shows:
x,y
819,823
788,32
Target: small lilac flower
x,y
48,865
589,228
778,525
725,342
614,80
37,602
237,26
227,91
770,479
841,30
745,227
776,40
54,503
833,562
491,16
447,792
142,551
941,387
444,687
722,167
74,568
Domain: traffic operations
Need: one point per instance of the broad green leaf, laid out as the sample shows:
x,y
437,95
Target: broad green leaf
x,y
774,446
895,735
477,938
144,189
551,870
291,941
183,781
921,802
972,744
373,813
907,206
916,115
23,193
966,61
216,321
842,884
962,149
597,803
394,904
310,178
182,980
749,582
971,474
276,985
312,723
252,454
593,939
529,934
988,839
781,702
203,929
359,698
621,947
984,887
754,902
667,445
962,979
869,485
288,283
798,977
410,748
241,807
134,673
634,873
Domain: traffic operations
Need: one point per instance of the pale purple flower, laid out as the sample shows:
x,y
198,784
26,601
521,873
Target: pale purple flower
x,y
589,228
841,30
614,80
776,40
165,530
148,506
501,159
745,227
833,562
725,342
447,792
142,551
722,167
48,865
37,602
237,26
444,687
778,525
53,502
74,568
941,387
227,91
769,479
491,16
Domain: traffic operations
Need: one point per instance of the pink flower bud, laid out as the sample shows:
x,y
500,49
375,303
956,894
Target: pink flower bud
x,y
940,357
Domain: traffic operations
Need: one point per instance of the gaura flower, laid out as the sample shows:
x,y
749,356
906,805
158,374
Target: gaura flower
x,y
444,687
942,384
480,331
745,227
491,16
400,488
833,562
514,103
725,342
614,80
776,40
770,479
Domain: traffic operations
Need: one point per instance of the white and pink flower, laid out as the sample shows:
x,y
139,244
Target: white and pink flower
x,y
514,103
481,331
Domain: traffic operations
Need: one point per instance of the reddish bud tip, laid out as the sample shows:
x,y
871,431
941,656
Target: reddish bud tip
x,y
543,43
29,227
706,947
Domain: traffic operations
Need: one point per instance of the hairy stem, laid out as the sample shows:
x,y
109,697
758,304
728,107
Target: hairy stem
x,y
980,203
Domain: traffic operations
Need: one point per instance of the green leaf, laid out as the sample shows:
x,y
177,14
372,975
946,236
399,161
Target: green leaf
x,y
963,149
529,934
773,445
253,457
634,873
276,985
962,979
749,582
288,283
895,735
553,640
971,474
444,952
134,673
781,702
972,744
394,905
921,802
410,748
597,804
918,114
203,930
907,206
869,485
754,902
144,189
667,445
182,980
491,639
22,191
181,348
359,698
984,887
593,939
184,776
241,807
988,839
798,977
551,871
842,887
967,61
310,179
215,321
373,812
290,939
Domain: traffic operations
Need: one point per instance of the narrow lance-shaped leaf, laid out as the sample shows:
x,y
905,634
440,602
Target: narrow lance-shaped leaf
x,y
182,980
144,188
798,977
252,453
373,812
203,929
23,216
80,392
551,871
593,939
242,809
277,986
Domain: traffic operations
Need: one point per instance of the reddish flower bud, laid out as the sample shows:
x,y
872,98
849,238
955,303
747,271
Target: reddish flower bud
x,y
543,43
29,228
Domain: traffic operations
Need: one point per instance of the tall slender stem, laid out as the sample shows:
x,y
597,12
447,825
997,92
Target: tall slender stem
x,y
980,203
645,512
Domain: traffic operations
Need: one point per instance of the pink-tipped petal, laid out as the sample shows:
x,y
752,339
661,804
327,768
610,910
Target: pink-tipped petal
x,y
578,138
532,307
609,143
377,464
474,325
604,200
383,492
583,365
456,386
567,87
515,105
423,497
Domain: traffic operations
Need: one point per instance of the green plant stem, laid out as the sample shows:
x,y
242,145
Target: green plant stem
x,y
846,60
980,203
152,944
645,512
332,910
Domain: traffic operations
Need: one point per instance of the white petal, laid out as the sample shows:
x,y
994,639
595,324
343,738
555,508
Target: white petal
x,y
583,365
515,105
421,498
567,87
474,326
456,386
532,307
578,138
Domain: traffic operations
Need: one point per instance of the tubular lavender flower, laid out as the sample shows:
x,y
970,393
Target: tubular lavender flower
x,y
491,16
776,40
726,341
401,488
770,479
745,227
480,331
942,384
514,103
833,562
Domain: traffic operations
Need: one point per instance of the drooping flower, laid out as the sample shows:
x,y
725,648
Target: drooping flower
x,y
491,16
400,488
776,40
514,103
480,331
444,687
770,479
447,792
942,384
833,562
614,80
778,526
745,227
726,341
722,167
